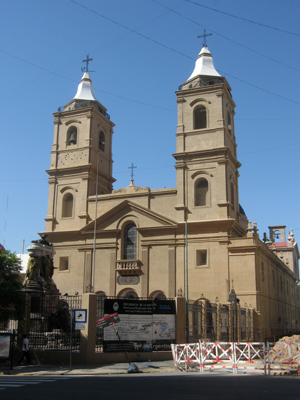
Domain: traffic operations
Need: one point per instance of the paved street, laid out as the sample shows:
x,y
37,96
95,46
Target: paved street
x,y
158,386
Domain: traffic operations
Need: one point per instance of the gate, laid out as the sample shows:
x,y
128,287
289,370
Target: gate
x,y
186,356
221,355
251,356
49,322
216,355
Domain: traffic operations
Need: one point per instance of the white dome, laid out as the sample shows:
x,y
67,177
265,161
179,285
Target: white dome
x,y
85,89
204,65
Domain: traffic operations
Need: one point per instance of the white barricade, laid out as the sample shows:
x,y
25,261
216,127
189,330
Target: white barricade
x,y
250,356
237,356
216,355
186,356
283,357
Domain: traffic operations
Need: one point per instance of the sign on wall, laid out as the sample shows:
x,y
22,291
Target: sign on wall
x,y
145,325
5,345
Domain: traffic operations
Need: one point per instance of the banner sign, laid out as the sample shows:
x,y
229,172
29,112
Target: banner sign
x,y
108,320
144,325
5,345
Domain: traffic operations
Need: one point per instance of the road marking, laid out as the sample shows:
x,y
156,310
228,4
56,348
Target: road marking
x,y
9,385
7,382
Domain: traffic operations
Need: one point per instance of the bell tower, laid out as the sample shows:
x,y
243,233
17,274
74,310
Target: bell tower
x,y
206,161
81,158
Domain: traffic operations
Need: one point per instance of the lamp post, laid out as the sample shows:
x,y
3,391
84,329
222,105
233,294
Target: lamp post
x,y
234,302
71,327
186,286
95,227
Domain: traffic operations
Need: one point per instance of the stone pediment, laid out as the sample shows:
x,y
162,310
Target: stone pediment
x,y
127,210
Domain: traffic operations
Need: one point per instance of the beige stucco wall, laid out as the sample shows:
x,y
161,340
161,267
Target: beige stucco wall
x,y
235,255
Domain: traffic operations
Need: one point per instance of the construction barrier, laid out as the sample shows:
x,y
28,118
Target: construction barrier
x,y
250,356
216,355
186,356
237,357
283,357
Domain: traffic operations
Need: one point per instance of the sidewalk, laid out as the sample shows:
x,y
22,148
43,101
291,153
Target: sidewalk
x,y
109,369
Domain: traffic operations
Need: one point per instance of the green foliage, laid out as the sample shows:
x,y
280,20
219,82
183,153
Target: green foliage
x,y
12,298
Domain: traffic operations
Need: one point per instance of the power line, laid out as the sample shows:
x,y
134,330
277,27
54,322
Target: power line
x,y
243,19
157,167
270,148
146,37
184,55
229,39
265,119
130,29
260,88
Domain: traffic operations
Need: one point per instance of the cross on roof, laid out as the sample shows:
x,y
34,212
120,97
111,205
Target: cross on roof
x,y
86,68
132,167
204,36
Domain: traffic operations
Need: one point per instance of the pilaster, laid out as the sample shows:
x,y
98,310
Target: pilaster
x,y
145,271
172,272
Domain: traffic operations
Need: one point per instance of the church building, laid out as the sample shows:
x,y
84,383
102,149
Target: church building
x,y
192,240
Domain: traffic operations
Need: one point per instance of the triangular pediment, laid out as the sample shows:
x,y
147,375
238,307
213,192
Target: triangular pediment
x,y
127,210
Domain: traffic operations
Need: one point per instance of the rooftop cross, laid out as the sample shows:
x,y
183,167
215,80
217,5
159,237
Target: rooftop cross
x,y
204,36
132,167
86,68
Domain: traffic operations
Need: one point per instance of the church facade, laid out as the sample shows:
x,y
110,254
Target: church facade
x,y
193,240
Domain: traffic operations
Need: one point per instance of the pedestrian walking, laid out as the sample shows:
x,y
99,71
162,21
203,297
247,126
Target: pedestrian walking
x,y
25,350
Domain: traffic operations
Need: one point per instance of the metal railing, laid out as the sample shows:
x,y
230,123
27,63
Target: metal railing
x,y
49,323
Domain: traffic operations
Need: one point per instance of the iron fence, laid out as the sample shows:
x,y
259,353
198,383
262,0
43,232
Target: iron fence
x,y
224,323
99,331
9,326
50,324
211,321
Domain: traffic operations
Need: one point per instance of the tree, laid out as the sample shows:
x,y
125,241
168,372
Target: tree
x,y
12,298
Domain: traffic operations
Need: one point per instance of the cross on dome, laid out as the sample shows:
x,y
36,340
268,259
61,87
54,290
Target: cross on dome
x,y
86,68
204,37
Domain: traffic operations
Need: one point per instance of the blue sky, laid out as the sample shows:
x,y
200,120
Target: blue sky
x,y
142,51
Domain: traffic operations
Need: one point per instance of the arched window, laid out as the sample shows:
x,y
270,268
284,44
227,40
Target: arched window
x,y
101,141
158,295
130,242
277,236
200,117
201,192
229,122
128,294
232,194
72,135
67,205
